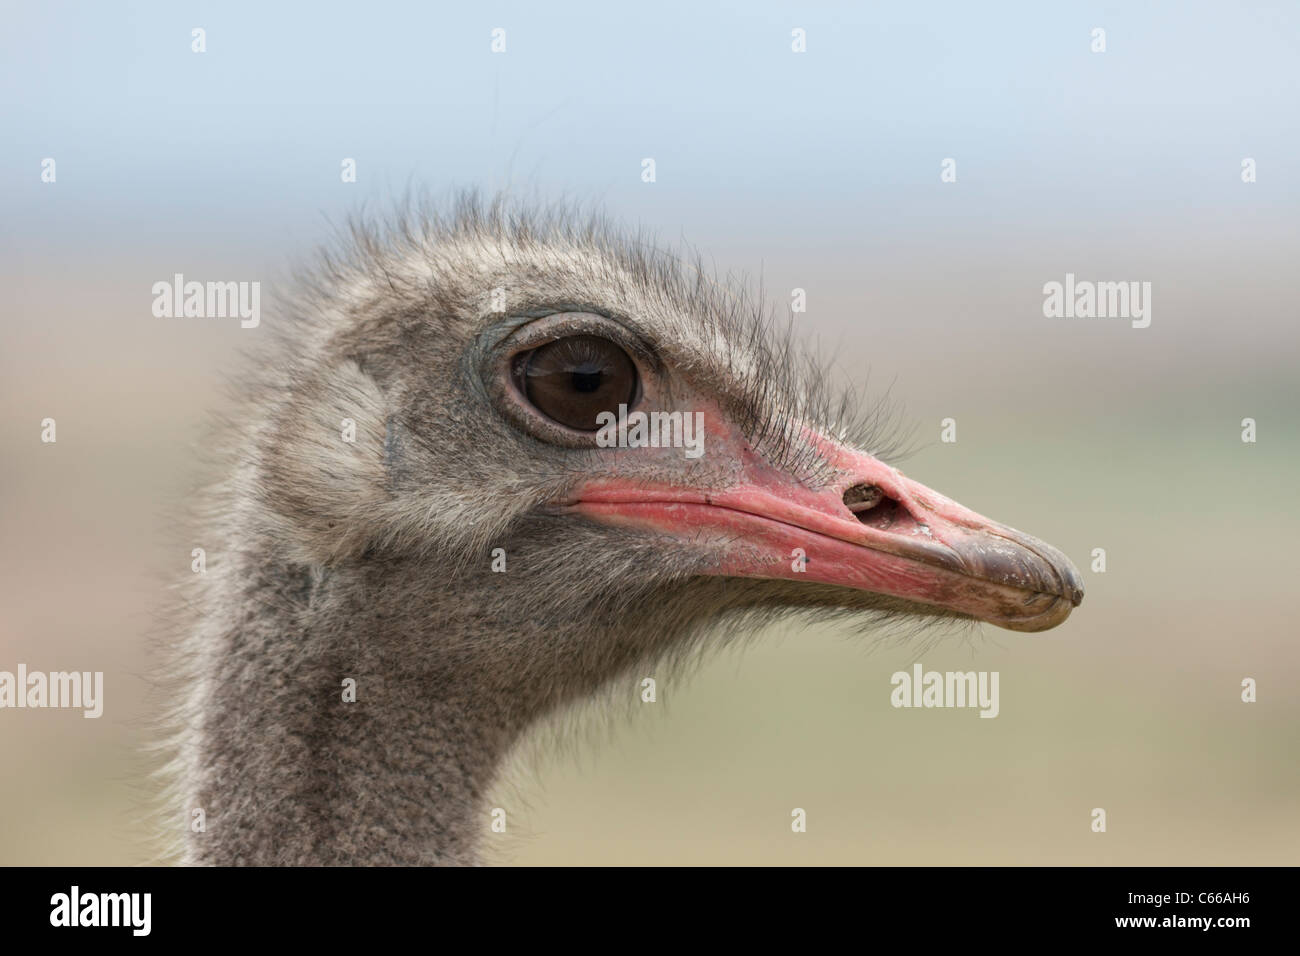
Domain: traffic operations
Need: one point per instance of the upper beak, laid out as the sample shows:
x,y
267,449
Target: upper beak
x,y
872,529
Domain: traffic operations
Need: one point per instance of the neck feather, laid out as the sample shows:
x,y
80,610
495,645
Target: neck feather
x,y
332,725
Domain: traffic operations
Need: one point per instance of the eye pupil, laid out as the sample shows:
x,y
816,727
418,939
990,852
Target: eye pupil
x,y
573,379
586,381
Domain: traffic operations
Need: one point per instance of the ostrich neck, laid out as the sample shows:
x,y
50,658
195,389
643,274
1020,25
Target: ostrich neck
x,y
354,715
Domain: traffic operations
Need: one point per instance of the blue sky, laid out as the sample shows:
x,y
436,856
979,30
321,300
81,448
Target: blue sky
x,y
248,136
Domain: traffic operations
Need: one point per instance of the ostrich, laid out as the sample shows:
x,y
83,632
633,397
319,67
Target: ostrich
x,y
385,617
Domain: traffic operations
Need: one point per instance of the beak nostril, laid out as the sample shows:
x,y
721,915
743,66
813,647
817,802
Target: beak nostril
x,y
871,506
862,498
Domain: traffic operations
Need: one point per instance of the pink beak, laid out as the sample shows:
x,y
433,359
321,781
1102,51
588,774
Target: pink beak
x,y
872,529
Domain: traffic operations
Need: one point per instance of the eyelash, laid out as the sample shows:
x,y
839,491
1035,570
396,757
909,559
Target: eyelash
x,y
576,351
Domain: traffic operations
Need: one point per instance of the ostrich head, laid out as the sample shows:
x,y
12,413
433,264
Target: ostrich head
x,y
426,503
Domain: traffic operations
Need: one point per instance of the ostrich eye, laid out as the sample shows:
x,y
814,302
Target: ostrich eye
x,y
574,379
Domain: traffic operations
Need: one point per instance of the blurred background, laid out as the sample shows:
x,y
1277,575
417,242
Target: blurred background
x,y
817,170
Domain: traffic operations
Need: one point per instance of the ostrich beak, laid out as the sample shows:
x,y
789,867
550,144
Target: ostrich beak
x,y
871,530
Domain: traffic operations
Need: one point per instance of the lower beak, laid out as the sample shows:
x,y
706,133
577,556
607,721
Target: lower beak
x,y
872,530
